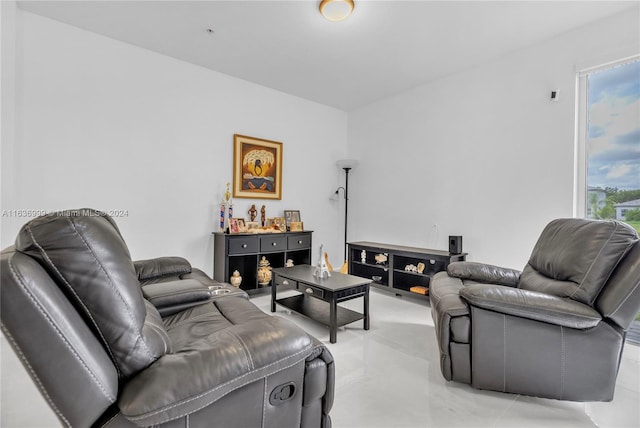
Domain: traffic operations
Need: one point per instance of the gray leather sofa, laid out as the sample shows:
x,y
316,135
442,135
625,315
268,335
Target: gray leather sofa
x,y
557,329
114,343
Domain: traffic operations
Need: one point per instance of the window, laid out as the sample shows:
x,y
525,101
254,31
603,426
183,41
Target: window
x,y
608,153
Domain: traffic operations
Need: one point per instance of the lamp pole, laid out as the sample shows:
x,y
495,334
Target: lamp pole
x,y
346,208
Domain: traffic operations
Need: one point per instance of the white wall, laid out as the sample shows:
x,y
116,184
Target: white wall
x,y
483,153
103,124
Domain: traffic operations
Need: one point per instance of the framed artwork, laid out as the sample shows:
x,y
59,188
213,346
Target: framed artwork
x,y
257,168
291,215
297,226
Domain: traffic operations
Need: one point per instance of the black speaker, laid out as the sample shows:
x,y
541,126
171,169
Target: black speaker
x,y
455,244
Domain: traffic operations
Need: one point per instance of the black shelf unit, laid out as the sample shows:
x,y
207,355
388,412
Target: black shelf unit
x,y
243,252
392,273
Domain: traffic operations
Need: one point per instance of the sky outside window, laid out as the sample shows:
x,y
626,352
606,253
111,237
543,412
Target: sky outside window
x,y
614,127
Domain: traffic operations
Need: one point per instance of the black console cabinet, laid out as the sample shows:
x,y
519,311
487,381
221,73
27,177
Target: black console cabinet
x,y
243,252
390,274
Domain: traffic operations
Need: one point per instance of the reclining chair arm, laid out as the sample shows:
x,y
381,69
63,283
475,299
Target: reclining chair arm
x,y
480,272
532,305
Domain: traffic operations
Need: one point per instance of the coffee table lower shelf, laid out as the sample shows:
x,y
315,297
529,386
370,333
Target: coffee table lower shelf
x,y
318,310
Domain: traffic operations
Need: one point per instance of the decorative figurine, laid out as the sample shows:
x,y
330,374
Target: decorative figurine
x,y
289,263
264,272
235,279
227,203
263,216
322,271
252,212
420,267
381,258
363,256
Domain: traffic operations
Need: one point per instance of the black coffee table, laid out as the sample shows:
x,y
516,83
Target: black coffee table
x,y
319,298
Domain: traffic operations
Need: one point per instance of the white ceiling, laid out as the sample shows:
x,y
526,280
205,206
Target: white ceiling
x,y
384,48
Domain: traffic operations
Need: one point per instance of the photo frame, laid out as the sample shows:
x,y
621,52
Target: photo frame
x,y
240,224
252,225
233,225
291,215
281,223
257,168
297,226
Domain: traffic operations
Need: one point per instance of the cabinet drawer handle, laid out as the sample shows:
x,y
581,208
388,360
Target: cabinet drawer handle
x,y
244,245
299,241
285,282
309,291
274,243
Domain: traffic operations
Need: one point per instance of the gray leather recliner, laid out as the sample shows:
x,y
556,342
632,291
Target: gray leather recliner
x,y
557,329
114,343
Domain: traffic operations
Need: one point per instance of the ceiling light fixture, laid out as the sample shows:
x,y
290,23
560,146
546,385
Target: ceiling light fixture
x,y
336,10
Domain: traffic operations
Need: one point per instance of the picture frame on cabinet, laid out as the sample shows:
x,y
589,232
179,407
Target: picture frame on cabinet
x,y
291,215
257,168
241,224
297,226
281,223
252,225
233,226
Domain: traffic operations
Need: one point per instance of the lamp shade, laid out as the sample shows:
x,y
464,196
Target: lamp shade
x,y
336,10
347,163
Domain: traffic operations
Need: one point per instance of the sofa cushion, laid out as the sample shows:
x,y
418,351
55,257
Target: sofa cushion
x,y
575,257
218,347
84,252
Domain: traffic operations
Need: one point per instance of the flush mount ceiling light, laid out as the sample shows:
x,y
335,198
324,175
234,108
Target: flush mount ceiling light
x,y
336,10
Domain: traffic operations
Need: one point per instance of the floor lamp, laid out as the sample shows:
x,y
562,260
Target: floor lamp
x,y
347,165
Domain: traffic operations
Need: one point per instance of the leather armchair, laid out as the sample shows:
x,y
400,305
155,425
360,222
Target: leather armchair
x,y
114,343
557,328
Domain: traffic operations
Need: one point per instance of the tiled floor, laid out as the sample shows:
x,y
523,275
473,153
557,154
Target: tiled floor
x,y
389,376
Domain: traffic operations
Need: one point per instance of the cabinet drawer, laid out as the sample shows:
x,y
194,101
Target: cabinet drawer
x,y
273,243
298,242
311,290
243,245
286,282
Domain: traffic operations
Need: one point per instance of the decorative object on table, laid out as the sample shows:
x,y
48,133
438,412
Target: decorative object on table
x,y
263,216
363,256
420,267
297,226
252,212
381,258
280,223
347,165
235,279
322,270
242,227
264,272
257,168
233,225
411,268
419,289
226,204
252,226
326,259
289,263
291,215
